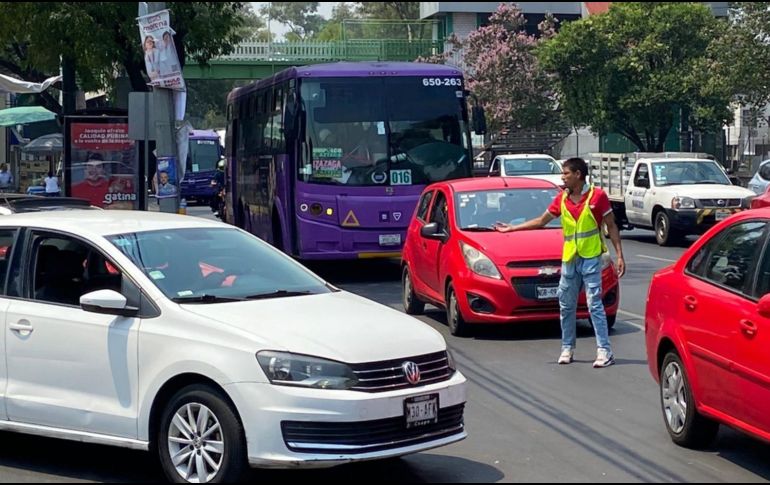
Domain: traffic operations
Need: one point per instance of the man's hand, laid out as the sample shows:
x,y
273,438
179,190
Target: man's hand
x,y
621,267
503,227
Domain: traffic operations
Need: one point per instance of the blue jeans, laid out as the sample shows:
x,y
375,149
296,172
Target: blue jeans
x,y
573,275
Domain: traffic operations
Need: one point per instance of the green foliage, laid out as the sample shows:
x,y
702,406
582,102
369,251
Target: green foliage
x,y
301,17
102,38
332,30
628,70
745,54
389,10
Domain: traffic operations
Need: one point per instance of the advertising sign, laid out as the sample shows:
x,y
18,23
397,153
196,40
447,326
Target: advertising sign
x,y
101,162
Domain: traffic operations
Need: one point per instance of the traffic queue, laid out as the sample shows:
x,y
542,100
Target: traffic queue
x,y
707,320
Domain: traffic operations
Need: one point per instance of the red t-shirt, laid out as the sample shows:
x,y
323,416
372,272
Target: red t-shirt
x,y
94,193
600,206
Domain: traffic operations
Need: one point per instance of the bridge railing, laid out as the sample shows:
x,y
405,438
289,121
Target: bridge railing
x,y
350,50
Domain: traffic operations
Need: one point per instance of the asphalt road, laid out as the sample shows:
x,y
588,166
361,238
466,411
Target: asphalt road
x,y
528,419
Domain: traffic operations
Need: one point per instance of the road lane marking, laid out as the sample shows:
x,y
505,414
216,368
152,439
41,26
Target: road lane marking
x,y
634,316
656,259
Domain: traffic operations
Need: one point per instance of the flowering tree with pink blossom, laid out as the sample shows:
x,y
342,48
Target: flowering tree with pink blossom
x,y
503,71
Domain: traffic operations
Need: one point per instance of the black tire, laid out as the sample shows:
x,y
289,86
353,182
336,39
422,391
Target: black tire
x,y
686,426
232,461
454,317
412,305
665,235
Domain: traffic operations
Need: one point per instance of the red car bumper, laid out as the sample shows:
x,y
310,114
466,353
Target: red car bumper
x,y
514,298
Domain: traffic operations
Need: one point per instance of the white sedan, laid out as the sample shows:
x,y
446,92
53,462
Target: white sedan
x,y
200,342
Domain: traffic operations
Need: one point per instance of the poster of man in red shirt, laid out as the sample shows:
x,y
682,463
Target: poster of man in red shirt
x,y
103,165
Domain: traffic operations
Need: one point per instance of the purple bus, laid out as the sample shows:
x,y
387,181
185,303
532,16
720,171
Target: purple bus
x,y
328,161
202,159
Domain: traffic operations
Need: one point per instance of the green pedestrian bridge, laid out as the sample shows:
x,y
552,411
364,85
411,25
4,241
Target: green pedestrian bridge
x,y
257,60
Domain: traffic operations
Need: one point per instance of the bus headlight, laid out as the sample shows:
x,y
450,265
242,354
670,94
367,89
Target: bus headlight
x,y
479,263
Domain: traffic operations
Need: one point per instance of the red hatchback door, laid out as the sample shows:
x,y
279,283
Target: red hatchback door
x,y
715,298
720,364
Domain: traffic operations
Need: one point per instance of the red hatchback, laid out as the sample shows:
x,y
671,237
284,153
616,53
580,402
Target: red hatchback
x,y
708,333
455,260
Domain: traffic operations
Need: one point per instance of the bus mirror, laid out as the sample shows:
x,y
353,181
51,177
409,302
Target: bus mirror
x,y
479,120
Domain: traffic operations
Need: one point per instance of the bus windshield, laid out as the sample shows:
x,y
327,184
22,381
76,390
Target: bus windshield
x,y
203,156
384,131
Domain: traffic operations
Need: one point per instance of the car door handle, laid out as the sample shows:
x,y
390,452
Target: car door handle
x,y
21,327
690,303
748,328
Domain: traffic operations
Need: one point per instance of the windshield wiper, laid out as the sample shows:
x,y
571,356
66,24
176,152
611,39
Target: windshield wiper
x,y
278,294
205,299
477,229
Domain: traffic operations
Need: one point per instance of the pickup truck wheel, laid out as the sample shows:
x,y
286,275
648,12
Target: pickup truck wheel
x,y
664,234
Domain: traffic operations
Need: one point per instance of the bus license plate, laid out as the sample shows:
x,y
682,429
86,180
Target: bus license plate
x,y
390,240
421,411
722,214
547,292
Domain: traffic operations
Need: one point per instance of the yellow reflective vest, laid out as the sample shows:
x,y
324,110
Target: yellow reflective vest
x,y
582,237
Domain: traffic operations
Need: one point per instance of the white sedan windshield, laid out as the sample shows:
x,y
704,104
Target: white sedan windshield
x,y
208,265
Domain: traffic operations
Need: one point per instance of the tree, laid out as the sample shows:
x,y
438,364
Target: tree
x,y
392,11
389,10
630,70
744,51
504,73
302,18
332,29
101,40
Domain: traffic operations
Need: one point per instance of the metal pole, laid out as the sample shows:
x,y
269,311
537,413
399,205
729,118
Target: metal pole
x,y
166,131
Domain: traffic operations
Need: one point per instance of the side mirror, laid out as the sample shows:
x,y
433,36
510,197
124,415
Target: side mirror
x,y
433,231
479,120
763,308
645,183
107,302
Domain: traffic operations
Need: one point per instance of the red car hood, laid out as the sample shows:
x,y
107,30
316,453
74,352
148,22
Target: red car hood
x,y
536,245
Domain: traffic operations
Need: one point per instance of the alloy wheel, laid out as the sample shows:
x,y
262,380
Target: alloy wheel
x,y
196,443
674,397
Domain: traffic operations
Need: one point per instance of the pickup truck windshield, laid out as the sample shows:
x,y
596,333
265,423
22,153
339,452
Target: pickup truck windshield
x,y
688,173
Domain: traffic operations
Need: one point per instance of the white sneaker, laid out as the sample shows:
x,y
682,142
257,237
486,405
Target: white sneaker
x,y
604,358
566,356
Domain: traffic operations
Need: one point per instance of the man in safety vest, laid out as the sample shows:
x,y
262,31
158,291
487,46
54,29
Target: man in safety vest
x,y
582,208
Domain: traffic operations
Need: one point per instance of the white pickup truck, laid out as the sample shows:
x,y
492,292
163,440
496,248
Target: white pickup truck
x,y
675,194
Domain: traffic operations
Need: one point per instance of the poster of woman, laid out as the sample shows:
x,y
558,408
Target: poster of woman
x,y
160,56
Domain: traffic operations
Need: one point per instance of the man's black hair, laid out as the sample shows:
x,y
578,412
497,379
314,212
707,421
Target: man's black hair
x,y
577,164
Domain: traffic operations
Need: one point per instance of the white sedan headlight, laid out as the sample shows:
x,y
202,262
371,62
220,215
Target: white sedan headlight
x,y
285,369
479,263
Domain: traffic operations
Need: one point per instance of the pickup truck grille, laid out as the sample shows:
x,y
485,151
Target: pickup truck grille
x,y
714,203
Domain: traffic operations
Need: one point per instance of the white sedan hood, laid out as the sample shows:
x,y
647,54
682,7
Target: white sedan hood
x,y
338,326
554,179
